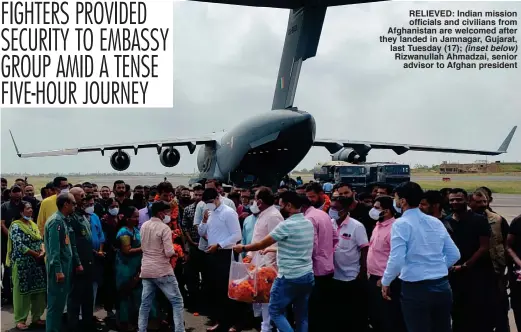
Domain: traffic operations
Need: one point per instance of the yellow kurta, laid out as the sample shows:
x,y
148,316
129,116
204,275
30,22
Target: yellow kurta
x,y
47,208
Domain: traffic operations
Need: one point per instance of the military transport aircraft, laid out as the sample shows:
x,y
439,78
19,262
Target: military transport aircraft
x,y
266,147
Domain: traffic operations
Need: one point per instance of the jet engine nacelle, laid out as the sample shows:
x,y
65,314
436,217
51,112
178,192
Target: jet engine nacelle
x,y
348,155
169,157
120,161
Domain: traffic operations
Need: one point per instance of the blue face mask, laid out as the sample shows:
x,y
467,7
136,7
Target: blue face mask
x,y
333,214
27,218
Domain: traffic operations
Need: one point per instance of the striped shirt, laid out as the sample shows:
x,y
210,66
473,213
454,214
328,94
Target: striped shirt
x,y
294,238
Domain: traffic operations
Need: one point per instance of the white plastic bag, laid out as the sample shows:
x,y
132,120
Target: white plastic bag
x,y
251,282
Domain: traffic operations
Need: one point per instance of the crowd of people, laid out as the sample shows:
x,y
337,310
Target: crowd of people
x,y
379,259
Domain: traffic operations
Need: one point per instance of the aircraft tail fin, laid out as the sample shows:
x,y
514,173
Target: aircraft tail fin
x,y
301,43
504,146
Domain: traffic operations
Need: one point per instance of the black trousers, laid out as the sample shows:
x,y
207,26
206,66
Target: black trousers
x,y
81,298
320,304
192,273
385,316
515,299
348,311
502,320
224,310
108,291
475,294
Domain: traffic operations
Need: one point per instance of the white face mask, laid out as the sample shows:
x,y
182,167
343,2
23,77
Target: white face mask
x,y
333,214
374,214
398,209
114,211
89,210
210,206
166,220
254,208
64,191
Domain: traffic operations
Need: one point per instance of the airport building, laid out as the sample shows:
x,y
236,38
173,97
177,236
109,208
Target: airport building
x,y
479,167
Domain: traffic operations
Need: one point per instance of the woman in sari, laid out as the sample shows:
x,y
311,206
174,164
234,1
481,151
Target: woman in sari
x,y
25,256
128,268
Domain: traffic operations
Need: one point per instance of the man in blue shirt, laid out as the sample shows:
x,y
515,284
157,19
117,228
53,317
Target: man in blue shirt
x,y
422,252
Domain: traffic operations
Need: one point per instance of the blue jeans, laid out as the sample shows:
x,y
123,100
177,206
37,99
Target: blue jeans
x,y
427,305
286,291
168,285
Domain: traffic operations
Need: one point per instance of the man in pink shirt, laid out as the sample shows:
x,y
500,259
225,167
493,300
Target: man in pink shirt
x,y
384,315
269,217
326,237
156,270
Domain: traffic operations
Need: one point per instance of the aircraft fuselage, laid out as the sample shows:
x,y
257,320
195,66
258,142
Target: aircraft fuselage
x,y
265,147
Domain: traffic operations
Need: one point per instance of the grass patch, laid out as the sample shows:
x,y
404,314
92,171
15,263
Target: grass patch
x,y
500,187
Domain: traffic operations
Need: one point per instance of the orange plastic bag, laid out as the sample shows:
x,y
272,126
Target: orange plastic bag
x,y
251,282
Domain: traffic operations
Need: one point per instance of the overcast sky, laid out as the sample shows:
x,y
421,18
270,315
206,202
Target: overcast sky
x,y
226,63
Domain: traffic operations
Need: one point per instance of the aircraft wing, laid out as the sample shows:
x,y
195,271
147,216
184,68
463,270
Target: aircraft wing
x,y
287,4
362,147
191,143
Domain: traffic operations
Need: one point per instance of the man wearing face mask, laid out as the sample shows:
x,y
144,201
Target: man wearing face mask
x,y
81,297
156,271
10,211
325,239
422,251
357,210
221,226
479,204
294,282
48,206
472,278
268,219
184,201
110,223
200,209
385,316
98,243
350,276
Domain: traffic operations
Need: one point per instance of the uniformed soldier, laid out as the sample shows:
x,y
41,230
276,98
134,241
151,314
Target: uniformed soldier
x,y
81,297
62,256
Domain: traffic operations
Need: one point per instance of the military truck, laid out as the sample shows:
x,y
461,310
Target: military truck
x,y
389,173
326,173
353,174
363,175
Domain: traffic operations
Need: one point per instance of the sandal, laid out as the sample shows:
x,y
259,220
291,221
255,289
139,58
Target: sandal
x,y
21,326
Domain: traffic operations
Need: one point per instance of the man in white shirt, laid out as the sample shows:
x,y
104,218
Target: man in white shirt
x,y
350,260
220,225
269,218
